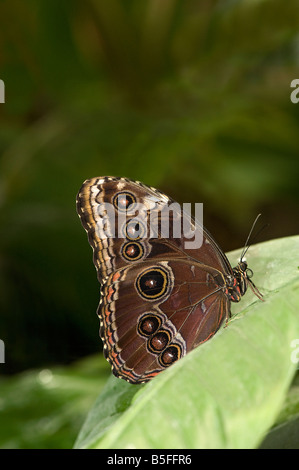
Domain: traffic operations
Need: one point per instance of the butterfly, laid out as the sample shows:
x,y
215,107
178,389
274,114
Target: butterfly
x,y
159,297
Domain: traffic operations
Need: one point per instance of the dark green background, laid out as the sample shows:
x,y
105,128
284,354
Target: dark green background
x,y
191,97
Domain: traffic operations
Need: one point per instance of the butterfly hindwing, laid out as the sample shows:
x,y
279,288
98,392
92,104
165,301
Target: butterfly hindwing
x,y
146,329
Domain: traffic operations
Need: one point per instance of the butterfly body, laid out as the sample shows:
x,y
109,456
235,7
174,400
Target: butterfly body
x,y
159,299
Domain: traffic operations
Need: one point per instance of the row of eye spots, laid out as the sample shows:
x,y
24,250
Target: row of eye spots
x,y
151,284
159,339
133,250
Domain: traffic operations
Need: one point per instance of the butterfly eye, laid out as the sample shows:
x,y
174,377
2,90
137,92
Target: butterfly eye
x,y
243,266
170,355
134,230
152,283
159,341
149,324
124,201
132,251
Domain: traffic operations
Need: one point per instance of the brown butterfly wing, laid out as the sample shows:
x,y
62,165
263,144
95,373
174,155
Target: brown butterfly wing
x,y
108,252
144,334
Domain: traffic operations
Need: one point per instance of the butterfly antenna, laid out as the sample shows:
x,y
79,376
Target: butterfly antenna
x,y
246,246
249,272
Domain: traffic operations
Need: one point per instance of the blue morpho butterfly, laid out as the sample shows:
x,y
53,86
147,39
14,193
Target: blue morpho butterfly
x,y
159,299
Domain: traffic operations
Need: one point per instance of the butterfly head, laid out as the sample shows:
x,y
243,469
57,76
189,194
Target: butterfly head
x,y
242,275
241,280
238,281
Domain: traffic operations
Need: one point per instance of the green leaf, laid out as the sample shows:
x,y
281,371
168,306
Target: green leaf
x,y
285,432
228,392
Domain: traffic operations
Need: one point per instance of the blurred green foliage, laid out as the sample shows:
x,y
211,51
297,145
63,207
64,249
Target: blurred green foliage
x,y
45,408
191,97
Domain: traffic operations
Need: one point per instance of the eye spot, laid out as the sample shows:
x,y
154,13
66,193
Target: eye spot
x,y
159,341
132,251
171,354
124,201
149,324
134,229
152,283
